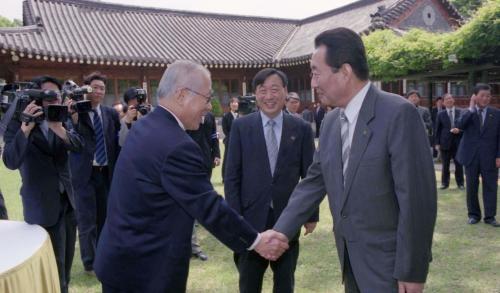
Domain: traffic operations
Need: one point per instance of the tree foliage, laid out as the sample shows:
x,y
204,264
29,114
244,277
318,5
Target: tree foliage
x,y
216,107
5,22
467,7
391,56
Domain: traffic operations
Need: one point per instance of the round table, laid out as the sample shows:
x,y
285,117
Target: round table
x,y
27,262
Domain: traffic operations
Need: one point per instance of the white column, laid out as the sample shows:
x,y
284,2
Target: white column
x,y
404,86
448,87
244,88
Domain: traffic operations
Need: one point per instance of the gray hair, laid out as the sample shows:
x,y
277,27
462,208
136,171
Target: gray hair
x,y
181,73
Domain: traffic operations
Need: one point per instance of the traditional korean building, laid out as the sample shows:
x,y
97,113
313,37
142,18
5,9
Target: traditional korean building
x,y
133,45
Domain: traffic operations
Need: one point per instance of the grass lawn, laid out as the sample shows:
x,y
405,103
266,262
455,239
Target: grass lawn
x,y
466,258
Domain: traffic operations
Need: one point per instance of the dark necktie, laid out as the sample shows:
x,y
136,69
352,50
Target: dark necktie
x,y
481,122
100,147
452,119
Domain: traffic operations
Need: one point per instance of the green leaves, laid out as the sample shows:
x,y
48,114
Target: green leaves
x,y
391,56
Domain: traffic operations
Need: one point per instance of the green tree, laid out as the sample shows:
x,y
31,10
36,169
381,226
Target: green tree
x,y
5,22
467,7
216,107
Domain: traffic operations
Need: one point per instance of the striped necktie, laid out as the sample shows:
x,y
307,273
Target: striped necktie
x,y
100,147
346,146
271,144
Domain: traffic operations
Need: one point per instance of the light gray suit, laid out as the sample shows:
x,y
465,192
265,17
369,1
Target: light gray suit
x,y
386,212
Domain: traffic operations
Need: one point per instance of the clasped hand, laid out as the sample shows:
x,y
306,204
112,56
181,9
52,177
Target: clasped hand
x,y
272,245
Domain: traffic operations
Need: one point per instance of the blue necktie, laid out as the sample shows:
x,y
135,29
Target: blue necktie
x,y
100,147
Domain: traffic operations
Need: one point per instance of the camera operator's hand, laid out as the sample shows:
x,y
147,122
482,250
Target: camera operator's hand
x,y
131,115
33,110
73,113
59,130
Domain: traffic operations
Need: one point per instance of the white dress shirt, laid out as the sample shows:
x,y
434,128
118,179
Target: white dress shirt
x,y
352,110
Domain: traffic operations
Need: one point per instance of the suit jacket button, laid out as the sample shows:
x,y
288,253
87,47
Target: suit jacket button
x,y
344,216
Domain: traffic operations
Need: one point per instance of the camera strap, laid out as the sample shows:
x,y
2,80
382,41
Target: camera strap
x,y
8,116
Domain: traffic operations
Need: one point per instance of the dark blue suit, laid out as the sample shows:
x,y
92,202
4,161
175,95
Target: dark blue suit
x,y
160,186
448,143
46,190
478,150
249,188
91,184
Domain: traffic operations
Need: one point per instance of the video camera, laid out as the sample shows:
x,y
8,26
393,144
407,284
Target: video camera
x,y
247,104
71,90
140,95
23,93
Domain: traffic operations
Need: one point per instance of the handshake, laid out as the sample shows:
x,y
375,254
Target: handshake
x,y
272,245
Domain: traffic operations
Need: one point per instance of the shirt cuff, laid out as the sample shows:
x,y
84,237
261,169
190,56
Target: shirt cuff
x,y
255,242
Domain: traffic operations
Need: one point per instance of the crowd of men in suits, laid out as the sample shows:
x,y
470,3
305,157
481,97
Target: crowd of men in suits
x,y
133,184
471,138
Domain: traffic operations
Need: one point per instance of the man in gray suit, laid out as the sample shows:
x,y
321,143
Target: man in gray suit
x,y
425,114
374,163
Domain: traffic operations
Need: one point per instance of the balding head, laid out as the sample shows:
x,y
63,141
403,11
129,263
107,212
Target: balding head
x,y
186,89
181,74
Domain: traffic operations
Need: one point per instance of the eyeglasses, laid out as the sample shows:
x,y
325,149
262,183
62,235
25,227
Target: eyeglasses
x,y
208,98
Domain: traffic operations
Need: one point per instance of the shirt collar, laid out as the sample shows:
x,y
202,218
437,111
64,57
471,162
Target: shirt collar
x,y
176,118
278,119
354,106
98,109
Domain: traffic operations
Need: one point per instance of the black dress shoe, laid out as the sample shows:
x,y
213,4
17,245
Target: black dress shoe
x,y
472,221
202,256
461,187
493,223
443,187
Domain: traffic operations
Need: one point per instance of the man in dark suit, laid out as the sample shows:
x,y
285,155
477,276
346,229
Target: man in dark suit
x,y
3,209
206,138
40,152
434,113
374,163
319,114
435,110
227,122
160,186
447,139
92,169
269,152
479,152
425,115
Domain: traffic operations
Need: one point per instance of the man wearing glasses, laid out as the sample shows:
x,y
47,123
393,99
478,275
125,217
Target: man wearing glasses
x,y
40,152
159,188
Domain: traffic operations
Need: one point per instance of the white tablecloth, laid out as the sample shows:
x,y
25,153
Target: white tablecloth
x,y
27,262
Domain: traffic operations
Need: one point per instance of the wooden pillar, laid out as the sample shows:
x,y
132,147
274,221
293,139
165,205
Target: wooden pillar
x,y
471,81
484,76
430,94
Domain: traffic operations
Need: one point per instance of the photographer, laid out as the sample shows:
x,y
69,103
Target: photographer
x,y
94,167
135,107
39,149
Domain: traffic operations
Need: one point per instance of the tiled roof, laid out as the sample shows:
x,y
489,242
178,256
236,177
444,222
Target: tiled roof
x,y
94,32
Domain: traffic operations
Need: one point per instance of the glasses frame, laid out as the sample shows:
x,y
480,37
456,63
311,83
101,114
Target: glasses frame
x,y
209,98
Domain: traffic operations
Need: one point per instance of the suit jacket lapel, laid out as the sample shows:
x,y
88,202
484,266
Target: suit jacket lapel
x,y
361,137
486,120
105,123
40,141
256,137
286,141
